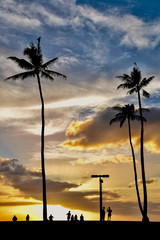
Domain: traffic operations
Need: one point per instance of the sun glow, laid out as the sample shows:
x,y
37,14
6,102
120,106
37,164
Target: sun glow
x,y
36,213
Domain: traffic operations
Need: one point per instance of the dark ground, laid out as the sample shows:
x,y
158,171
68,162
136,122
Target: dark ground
x,y
80,230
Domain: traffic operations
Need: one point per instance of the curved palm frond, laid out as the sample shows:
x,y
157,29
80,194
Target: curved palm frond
x,y
56,74
122,121
137,117
145,82
124,77
145,93
46,75
22,63
123,86
116,119
22,75
117,108
49,63
133,90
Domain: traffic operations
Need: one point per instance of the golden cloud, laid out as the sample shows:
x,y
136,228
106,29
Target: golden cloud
x,y
96,133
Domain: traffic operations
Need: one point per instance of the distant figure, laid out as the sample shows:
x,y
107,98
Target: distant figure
x,y
68,215
103,214
75,218
81,218
14,219
72,218
27,217
109,210
51,218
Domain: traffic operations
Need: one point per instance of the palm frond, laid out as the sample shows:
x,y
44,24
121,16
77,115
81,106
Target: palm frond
x,y
143,110
22,75
56,74
122,121
116,119
117,108
49,63
145,93
124,77
46,75
133,90
145,82
22,63
123,86
138,118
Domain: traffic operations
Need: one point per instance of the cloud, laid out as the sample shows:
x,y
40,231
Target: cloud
x,y
148,181
29,184
119,158
27,181
132,31
15,15
96,132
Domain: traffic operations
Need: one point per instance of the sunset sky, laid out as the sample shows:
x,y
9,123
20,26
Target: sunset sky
x,y
95,41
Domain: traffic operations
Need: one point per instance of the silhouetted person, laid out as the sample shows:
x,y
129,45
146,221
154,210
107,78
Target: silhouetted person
x,y
75,218
103,214
109,210
68,216
14,219
27,217
72,218
51,218
81,218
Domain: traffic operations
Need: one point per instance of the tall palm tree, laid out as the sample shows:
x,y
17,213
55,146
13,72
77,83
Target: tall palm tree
x,y
36,68
135,84
129,113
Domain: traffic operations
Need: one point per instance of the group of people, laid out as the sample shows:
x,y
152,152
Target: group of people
x,y
72,218
109,210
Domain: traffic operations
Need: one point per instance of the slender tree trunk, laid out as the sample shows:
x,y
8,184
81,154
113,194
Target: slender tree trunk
x,y
134,166
42,153
145,217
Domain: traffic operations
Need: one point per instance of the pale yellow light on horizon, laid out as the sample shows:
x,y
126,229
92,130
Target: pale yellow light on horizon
x,y
36,213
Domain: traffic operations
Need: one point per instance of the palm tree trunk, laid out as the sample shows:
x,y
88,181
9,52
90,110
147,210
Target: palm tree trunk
x,y
134,166
145,217
42,153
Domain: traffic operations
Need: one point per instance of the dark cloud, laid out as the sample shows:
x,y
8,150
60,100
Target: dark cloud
x,y
27,181
30,185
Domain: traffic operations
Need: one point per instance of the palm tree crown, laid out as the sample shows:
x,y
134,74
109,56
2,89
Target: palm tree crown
x,y
134,82
35,64
127,112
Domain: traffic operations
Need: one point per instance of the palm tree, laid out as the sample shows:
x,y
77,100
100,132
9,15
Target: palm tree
x,y
36,68
135,83
129,113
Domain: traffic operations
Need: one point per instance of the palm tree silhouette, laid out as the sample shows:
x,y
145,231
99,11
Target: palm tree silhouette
x,y
36,68
135,83
129,113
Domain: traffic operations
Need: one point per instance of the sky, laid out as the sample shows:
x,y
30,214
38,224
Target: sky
x,y
95,41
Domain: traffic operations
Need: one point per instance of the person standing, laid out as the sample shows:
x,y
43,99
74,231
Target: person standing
x,y
109,210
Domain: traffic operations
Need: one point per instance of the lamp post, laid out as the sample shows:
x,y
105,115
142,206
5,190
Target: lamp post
x,y
100,190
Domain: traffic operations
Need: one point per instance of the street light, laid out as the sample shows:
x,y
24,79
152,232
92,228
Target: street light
x,y
100,190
